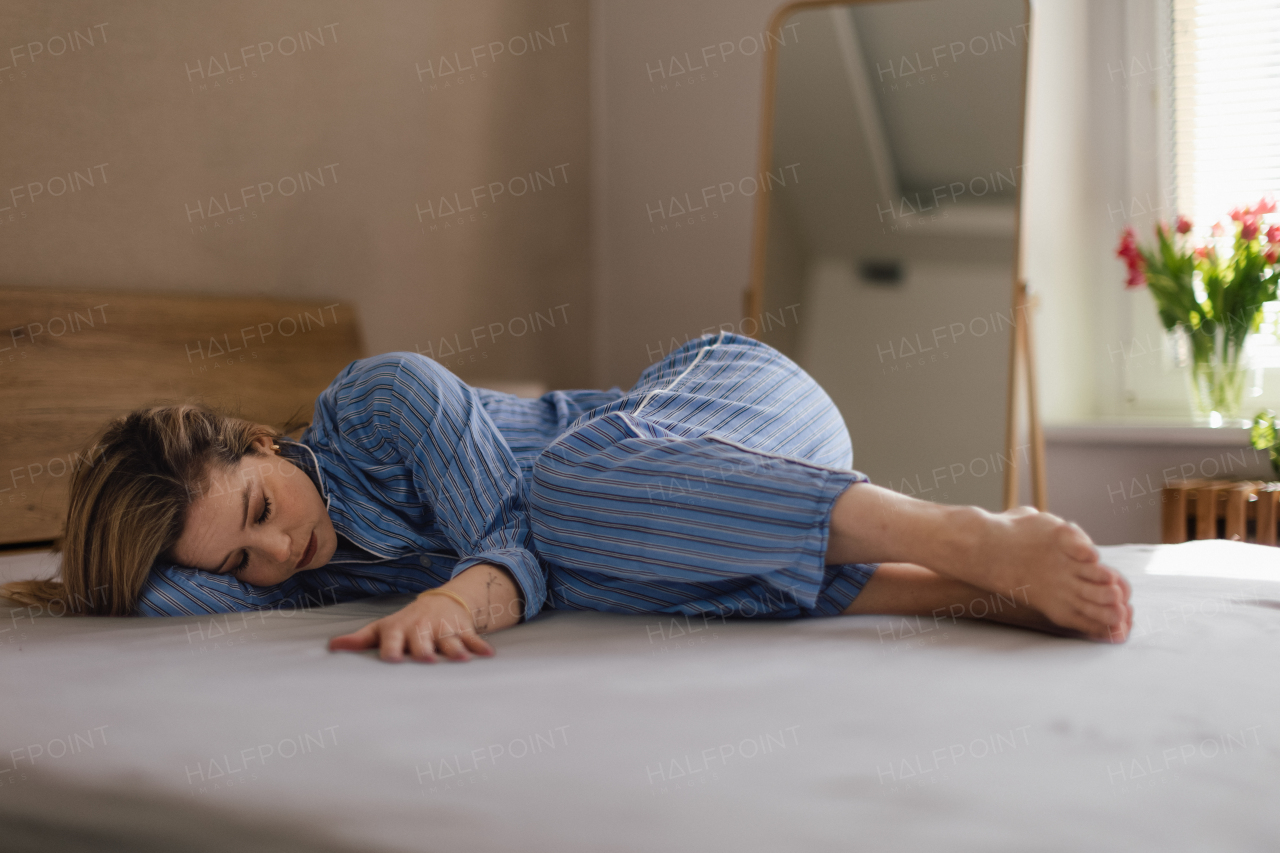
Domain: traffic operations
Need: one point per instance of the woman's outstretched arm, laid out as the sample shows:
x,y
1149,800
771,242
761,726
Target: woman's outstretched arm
x,y
435,625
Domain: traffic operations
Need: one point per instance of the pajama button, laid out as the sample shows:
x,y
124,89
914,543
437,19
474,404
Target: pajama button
x,y
424,561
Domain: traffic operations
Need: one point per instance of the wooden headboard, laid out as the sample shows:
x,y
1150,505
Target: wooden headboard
x,y
69,360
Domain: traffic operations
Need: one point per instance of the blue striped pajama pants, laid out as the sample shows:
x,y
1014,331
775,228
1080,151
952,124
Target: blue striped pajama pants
x,y
706,489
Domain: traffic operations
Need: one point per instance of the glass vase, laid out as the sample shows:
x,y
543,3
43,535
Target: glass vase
x,y
1219,372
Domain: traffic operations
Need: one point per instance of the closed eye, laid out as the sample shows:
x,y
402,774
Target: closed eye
x,y
266,513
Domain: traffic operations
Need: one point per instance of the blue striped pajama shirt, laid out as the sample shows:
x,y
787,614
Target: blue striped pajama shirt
x,y
705,489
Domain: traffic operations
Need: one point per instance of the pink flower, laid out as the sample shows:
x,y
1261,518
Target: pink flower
x,y
1272,254
1128,247
1218,228
1249,227
1273,234
1128,250
1266,204
1204,252
1183,225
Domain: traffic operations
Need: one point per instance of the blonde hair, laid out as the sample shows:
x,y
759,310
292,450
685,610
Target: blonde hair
x,y
130,495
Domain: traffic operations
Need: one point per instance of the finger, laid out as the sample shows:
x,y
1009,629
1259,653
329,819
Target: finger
x,y
392,649
452,648
421,645
452,626
477,644
365,638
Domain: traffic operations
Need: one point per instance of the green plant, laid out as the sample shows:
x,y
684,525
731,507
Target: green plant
x,y
1263,437
1232,288
1216,301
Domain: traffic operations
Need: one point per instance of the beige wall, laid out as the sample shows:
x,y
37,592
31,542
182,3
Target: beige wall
x,y
656,135
1060,203
144,112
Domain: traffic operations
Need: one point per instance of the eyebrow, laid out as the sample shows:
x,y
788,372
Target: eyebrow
x,y
244,520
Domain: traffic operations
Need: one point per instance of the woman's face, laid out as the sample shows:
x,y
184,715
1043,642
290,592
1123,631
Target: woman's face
x,y
261,521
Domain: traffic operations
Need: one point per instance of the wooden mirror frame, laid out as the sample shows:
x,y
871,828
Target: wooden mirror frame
x,y
1021,360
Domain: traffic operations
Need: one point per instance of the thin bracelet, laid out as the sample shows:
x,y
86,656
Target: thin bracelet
x,y
455,597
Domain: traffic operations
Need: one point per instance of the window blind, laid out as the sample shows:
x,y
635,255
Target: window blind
x,y
1226,79
1226,116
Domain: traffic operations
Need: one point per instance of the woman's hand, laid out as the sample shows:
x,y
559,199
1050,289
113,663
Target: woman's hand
x,y
430,626
434,625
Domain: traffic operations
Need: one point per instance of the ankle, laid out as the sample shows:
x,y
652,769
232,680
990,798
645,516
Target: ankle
x,y
960,534
870,524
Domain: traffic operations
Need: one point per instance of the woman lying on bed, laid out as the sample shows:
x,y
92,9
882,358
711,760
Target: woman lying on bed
x,y
720,484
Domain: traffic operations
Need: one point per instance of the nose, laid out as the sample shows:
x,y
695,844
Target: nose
x,y
277,547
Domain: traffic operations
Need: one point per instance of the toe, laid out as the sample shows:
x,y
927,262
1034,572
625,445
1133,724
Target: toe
x,y
1119,633
1093,572
1091,629
1102,631
1077,544
1119,582
1076,616
1107,615
1105,594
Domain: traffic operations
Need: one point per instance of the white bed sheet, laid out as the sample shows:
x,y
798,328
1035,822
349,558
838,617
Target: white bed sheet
x,y
851,733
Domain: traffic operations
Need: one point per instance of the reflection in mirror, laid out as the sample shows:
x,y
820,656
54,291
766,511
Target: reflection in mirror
x,y
894,240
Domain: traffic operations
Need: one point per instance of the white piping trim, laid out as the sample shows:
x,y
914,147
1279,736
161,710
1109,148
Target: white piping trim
x,y
319,473
676,381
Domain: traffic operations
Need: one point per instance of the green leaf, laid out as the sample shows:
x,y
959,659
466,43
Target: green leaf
x,y
1263,433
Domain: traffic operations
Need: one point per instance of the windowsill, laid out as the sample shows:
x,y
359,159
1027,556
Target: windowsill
x,y
1148,431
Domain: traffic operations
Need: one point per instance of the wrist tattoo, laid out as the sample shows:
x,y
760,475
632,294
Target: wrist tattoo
x,y
482,623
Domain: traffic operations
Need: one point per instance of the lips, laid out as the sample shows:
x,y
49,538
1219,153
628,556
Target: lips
x,y
312,544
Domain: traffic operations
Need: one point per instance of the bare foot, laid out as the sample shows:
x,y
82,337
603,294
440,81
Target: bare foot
x,y
910,589
1033,557
1050,564
1025,616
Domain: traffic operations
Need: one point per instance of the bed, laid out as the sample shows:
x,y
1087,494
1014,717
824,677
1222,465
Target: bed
x,y
588,731
593,731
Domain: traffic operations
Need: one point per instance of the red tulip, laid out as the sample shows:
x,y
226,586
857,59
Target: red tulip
x,y
1272,254
1249,227
1238,213
1183,225
1128,247
1204,252
1128,250
1273,234
1267,204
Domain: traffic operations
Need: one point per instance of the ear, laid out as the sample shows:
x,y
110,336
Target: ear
x,y
262,444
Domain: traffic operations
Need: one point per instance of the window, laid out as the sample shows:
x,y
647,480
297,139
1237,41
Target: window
x,y
1226,117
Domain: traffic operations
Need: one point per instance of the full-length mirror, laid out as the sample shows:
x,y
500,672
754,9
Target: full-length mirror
x,y
892,243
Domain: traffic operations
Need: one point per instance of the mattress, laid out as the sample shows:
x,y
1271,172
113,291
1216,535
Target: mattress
x,y
594,731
